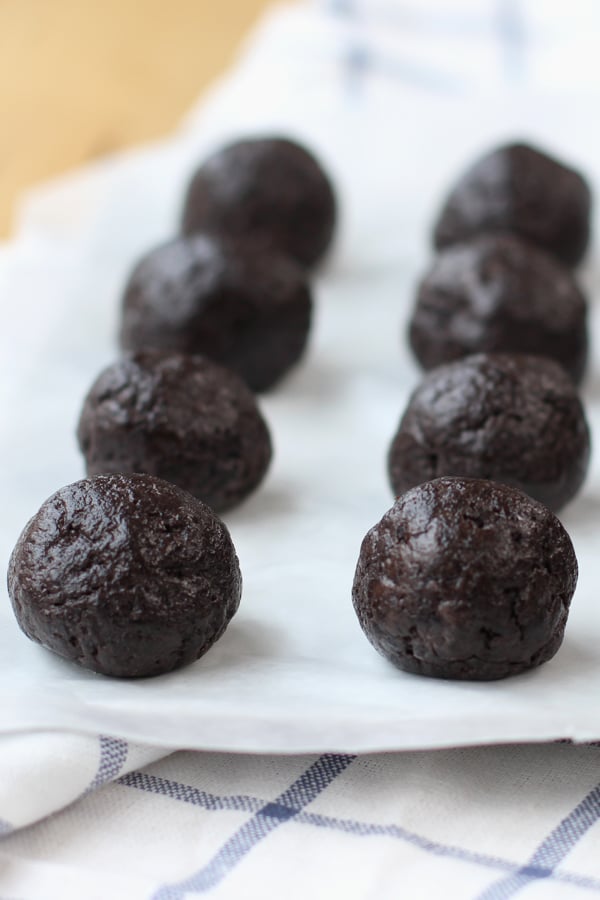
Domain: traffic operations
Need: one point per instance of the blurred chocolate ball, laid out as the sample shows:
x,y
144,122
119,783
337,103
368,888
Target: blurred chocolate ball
x,y
245,307
520,189
269,189
499,294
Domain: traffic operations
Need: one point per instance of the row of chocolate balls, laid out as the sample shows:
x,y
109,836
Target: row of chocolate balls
x,y
207,318
465,578
499,668
515,420
506,235
245,304
509,417
257,215
501,286
131,574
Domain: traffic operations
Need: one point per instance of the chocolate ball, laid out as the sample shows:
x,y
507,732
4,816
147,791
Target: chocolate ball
x,y
248,309
514,419
465,579
126,575
181,418
498,293
520,189
269,189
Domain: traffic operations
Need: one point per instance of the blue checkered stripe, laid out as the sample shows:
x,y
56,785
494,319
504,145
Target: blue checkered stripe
x,y
266,815
113,756
360,56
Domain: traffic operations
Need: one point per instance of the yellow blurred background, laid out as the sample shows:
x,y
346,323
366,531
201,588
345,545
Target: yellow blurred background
x,y
82,78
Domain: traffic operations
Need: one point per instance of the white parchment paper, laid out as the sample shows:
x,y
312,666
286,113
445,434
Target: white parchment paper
x,y
293,672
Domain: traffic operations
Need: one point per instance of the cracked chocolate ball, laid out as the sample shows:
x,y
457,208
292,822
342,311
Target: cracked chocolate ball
x,y
126,575
520,189
465,579
269,189
515,419
248,309
498,293
181,418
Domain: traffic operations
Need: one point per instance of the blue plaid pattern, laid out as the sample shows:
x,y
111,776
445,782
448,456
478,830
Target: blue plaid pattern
x,y
359,55
263,814
267,815
512,38
113,755
552,851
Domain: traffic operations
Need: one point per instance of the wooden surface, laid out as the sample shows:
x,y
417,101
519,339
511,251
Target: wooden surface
x,y
80,78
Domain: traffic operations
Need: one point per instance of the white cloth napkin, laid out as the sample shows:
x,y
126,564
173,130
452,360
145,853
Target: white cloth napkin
x,y
490,821
480,823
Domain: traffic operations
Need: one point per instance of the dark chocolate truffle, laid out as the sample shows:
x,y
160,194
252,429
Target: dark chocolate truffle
x,y
248,309
271,190
126,575
465,579
181,418
498,293
515,419
517,188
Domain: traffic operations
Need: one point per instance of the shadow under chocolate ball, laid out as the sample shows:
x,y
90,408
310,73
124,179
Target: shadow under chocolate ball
x,y
269,189
181,418
506,417
126,575
499,293
246,308
465,579
520,189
